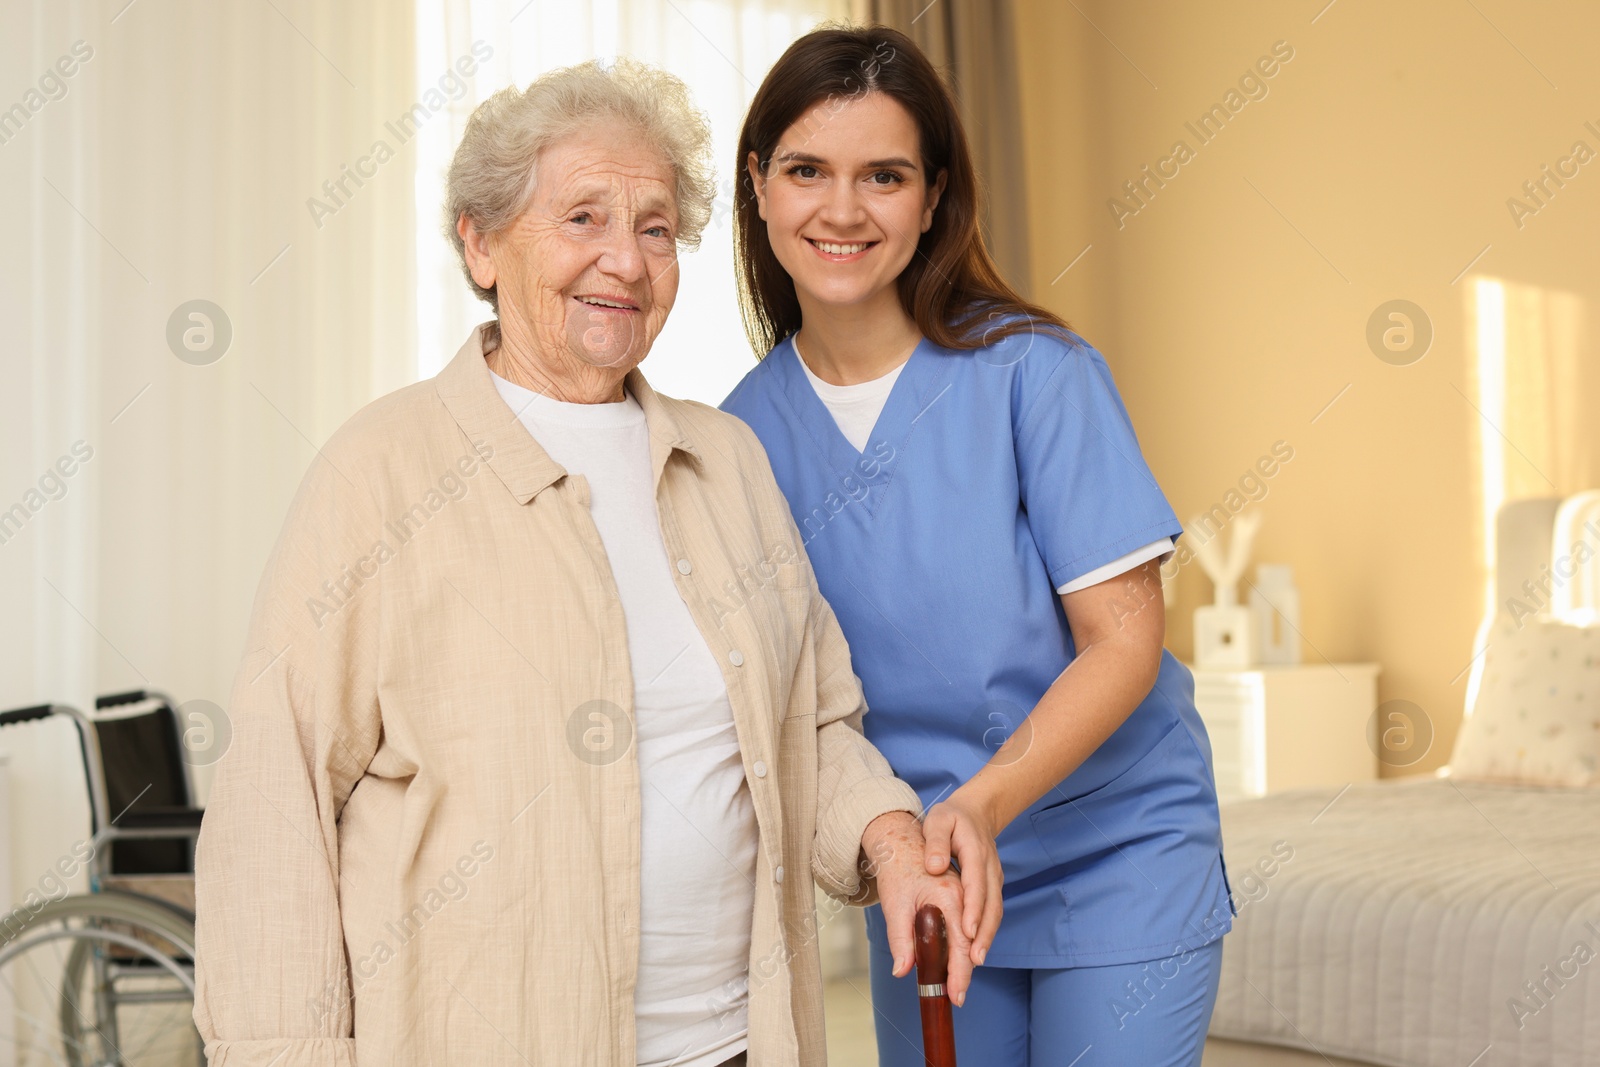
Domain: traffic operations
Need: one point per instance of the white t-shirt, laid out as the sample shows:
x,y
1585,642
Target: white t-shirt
x,y
856,408
699,839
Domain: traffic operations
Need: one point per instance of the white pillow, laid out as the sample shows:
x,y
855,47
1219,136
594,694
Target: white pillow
x,y
1537,717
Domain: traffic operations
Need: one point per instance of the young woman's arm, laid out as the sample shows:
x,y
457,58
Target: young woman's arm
x,y
1118,627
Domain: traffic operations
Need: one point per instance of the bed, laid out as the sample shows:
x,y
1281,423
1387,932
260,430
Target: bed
x,y
1431,921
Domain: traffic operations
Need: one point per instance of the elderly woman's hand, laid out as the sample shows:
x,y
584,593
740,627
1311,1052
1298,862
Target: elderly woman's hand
x,y
894,857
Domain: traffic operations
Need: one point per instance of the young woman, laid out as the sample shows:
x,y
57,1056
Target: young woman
x,y
973,500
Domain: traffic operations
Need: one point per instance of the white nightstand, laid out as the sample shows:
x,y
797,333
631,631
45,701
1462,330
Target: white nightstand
x,y
1277,728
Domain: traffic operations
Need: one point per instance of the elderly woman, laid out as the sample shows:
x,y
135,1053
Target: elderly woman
x,y
544,730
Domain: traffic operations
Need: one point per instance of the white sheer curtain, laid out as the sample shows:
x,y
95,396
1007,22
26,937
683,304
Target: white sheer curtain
x,y
721,48
50,288
175,162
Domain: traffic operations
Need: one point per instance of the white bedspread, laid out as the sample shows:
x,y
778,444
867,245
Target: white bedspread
x,y
1411,913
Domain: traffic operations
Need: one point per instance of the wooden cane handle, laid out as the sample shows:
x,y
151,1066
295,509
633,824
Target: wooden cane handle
x,y
933,970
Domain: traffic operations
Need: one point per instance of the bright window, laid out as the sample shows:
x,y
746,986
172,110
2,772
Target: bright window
x,y
721,48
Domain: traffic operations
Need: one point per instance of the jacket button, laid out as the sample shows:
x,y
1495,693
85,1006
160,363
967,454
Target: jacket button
x,y
736,658
777,875
760,769
684,567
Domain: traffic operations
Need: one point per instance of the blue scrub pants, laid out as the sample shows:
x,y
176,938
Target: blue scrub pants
x,y
1153,1014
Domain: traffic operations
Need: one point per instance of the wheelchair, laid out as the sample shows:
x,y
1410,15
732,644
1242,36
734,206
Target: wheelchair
x,y
106,978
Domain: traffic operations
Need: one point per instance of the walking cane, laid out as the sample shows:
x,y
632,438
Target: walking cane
x,y
933,964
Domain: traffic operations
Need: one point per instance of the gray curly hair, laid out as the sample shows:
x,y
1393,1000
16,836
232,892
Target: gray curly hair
x,y
492,175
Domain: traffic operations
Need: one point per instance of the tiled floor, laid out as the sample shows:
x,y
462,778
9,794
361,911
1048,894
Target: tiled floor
x,y
851,1042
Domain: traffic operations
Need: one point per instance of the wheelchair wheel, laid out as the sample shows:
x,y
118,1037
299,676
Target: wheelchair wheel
x,y
99,980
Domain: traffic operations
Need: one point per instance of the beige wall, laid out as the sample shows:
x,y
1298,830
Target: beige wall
x,y
1233,305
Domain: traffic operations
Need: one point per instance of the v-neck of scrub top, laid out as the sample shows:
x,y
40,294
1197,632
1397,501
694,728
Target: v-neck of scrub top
x,y
922,379
855,407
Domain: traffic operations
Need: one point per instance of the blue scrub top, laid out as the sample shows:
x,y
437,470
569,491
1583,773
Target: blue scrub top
x,y
993,477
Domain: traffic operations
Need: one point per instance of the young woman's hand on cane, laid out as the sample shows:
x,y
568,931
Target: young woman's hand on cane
x,y
959,835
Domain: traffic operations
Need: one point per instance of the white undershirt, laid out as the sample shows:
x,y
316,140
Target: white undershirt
x,y
698,833
856,408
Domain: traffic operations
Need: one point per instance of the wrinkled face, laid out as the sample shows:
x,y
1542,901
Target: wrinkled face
x,y
845,199
589,271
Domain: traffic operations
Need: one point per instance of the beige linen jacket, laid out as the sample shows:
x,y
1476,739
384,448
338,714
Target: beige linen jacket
x,y
422,845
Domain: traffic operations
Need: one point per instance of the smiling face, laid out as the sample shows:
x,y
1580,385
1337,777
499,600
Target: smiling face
x,y
845,199
586,275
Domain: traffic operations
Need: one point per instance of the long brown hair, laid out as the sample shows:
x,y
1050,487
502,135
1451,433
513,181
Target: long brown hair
x,y
951,287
